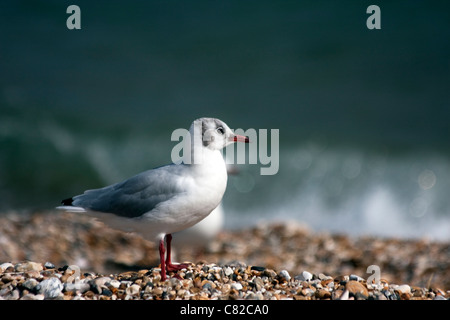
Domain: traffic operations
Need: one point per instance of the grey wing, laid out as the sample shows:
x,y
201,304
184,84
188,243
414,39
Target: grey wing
x,y
134,196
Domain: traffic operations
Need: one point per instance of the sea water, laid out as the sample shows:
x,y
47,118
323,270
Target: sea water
x,y
362,115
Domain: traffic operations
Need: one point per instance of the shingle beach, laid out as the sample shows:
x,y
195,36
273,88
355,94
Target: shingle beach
x,y
62,256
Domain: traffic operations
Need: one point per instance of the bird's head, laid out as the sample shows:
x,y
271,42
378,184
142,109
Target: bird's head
x,y
215,134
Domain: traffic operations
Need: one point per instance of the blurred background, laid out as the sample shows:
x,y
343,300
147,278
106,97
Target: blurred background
x,y
363,114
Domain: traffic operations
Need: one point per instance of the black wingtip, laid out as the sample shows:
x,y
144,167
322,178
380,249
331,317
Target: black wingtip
x,y
67,202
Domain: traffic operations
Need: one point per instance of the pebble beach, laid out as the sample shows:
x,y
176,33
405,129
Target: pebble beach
x,y
58,256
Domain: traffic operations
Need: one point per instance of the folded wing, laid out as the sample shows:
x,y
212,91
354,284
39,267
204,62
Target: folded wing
x,y
133,197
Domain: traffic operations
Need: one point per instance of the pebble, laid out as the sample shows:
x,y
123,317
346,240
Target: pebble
x,y
30,284
323,294
236,286
80,287
304,276
284,275
98,283
357,289
228,271
208,286
158,291
270,273
133,290
308,292
30,296
113,283
259,283
403,289
5,266
354,277
28,266
257,268
51,288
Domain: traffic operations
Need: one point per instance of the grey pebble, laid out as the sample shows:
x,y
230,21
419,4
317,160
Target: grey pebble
x,y
324,277
355,277
30,284
259,283
77,287
207,286
51,288
285,275
304,276
238,264
107,292
98,283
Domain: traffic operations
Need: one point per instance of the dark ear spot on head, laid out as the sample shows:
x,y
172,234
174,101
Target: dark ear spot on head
x,y
206,138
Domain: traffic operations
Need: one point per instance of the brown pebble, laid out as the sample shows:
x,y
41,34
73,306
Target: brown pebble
x,y
142,273
405,296
195,290
67,297
325,283
33,274
198,282
337,294
355,287
307,292
65,277
29,266
270,273
129,275
158,291
300,297
323,294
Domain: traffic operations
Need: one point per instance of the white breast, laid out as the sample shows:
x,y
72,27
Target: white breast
x,y
205,186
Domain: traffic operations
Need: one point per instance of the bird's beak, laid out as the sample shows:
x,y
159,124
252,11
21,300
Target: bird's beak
x,y
238,138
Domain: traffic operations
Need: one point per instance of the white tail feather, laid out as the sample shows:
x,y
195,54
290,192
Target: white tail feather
x,y
71,209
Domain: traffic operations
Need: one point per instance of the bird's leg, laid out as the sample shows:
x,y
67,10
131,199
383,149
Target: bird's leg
x,y
162,251
169,265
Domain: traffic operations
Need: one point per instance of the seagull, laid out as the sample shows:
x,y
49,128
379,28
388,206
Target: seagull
x,y
166,199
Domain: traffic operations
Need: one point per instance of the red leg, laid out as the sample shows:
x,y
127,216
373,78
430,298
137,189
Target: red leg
x,y
169,265
161,257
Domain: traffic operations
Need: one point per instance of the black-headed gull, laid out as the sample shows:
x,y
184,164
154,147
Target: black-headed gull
x,y
167,199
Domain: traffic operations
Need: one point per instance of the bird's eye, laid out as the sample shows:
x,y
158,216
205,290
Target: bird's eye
x,y
221,130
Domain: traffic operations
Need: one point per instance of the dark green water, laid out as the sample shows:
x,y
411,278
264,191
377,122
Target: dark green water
x,y
363,114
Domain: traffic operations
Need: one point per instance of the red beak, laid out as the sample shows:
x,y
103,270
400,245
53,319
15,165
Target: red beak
x,y
238,138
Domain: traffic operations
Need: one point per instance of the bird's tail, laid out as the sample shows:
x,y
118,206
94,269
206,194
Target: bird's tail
x,y
67,206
